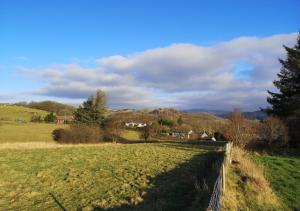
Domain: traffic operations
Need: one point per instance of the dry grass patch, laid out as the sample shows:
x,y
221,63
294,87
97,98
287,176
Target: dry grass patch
x,y
247,187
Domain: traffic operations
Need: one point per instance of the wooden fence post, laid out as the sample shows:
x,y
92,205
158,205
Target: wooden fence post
x,y
223,177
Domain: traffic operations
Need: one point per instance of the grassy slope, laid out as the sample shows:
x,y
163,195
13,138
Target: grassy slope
x,y
104,177
284,176
12,113
247,187
11,132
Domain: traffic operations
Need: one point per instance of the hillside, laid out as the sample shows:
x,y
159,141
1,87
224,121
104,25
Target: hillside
x,y
19,113
52,106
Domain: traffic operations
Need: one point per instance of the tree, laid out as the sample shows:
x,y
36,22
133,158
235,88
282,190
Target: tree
x,y
92,111
146,132
274,132
113,128
179,121
286,103
166,122
238,130
50,117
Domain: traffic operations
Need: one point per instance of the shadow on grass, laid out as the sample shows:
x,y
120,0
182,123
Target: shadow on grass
x,y
187,187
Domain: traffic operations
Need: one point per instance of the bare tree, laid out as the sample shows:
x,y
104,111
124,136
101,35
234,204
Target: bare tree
x,y
274,132
113,128
238,130
146,132
99,101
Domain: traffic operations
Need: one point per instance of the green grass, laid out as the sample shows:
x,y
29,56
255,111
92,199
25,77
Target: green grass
x,y
11,132
131,135
119,177
14,113
284,175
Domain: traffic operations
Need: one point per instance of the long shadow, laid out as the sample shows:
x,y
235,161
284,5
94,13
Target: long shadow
x,y
187,187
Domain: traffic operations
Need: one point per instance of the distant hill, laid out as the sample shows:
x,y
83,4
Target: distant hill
x,y
260,115
19,113
51,106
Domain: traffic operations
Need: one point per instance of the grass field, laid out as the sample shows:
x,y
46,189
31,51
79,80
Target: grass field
x,y
15,113
11,132
130,135
120,177
284,175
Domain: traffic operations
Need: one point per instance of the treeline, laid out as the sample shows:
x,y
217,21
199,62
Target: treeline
x,y
59,109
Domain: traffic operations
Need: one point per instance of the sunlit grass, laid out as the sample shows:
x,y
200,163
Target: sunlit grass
x,y
11,132
19,113
99,176
284,176
130,135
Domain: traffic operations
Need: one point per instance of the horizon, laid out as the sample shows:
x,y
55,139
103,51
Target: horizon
x,y
210,59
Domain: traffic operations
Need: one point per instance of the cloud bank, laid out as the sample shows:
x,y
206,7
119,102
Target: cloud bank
x,y
227,75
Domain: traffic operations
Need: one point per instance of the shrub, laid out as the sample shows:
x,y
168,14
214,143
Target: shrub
x,y
274,132
166,122
50,117
78,133
57,134
36,118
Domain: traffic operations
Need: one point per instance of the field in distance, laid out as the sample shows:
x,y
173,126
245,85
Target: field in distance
x,y
19,113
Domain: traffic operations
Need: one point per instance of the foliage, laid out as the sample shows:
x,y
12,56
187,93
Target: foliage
x,y
166,122
283,174
274,132
286,103
57,134
92,111
103,176
78,133
50,117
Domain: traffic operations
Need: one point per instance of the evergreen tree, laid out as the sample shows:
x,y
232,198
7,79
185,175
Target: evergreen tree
x,y
50,117
92,111
286,103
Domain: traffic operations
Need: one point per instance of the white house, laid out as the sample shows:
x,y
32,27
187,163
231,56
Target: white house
x,y
213,139
134,124
189,133
141,125
204,135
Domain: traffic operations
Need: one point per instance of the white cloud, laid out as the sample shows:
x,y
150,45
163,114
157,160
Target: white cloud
x,y
179,75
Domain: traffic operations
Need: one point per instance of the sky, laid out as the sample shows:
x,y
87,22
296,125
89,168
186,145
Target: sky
x,y
215,54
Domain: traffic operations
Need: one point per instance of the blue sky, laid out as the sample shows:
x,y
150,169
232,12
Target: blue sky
x,y
36,36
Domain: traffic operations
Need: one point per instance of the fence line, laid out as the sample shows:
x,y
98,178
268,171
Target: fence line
x,y
215,202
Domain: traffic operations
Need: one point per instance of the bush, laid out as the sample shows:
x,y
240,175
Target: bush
x,y
57,134
166,122
50,117
36,118
78,134
274,132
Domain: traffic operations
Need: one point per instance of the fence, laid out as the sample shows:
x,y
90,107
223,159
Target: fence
x,y
215,202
